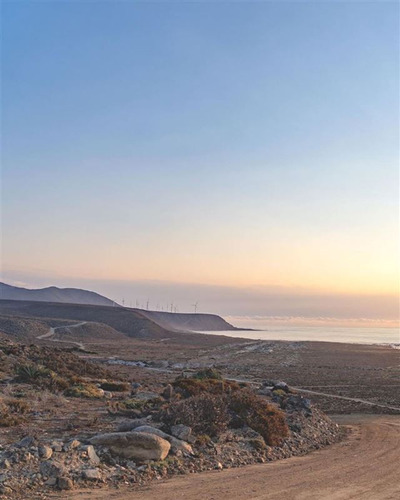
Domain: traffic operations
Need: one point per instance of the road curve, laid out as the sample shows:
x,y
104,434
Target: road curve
x,y
364,466
50,334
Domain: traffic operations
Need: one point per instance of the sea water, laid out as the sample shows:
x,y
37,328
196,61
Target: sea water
x,y
352,335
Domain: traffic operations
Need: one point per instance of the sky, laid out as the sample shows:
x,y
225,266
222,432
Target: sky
x,y
244,154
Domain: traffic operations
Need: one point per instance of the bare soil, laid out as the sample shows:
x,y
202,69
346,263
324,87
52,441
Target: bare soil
x,y
364,466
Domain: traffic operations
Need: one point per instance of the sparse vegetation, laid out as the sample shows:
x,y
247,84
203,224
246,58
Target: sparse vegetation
x,y
84,391
116,386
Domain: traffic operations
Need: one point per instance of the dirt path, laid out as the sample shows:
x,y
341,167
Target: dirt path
x,y
52,331
365,466
346,398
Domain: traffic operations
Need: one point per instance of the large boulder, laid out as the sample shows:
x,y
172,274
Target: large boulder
x,y
176,444
138,446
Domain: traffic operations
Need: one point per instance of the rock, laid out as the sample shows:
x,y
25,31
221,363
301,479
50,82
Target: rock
x,y
129,425
57,446
51,468
134,445
219,466
51,482
6,464
26,442
146,396
108,394
65,483
91,474
93,457
5,490
176,444
71,445
281,385
45,452
168,392
181,431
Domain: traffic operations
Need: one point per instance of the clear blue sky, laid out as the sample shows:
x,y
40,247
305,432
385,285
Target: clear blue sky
x,y
234,144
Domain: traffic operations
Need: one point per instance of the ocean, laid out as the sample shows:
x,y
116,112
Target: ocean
x,y
326,333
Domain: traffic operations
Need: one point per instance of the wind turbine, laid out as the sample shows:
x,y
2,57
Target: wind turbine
x,y
195,307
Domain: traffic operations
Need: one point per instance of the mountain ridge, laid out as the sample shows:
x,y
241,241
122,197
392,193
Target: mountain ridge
x,y
54,294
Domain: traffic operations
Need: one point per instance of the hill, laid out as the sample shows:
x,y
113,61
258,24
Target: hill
x,y
188,322
54,294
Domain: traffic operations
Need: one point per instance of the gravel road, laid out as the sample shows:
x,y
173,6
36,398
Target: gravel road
x,y
364,466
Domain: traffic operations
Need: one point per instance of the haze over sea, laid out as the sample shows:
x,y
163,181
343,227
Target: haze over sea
x,y
270,330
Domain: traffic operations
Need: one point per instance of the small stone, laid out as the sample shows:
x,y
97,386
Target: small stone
x,y
71,445
219,466
91,474
93,457
45,452
182,432
5,490
57,446
65,483
51,482
26,442
6,464
168,392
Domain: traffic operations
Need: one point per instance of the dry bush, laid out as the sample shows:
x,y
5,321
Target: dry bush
x,y
208,373
116,386
11,411
193,387
205,414
89,391
252,410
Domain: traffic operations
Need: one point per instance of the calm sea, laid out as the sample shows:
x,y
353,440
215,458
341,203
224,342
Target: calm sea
x,y
353,335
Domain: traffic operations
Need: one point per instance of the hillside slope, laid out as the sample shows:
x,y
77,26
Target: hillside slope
x,y
188,322
129,322
54,294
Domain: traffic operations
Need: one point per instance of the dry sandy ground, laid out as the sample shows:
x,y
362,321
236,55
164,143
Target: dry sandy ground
x,y
364,466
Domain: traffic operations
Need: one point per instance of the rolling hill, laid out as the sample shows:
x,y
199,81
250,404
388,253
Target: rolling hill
x,y
54,294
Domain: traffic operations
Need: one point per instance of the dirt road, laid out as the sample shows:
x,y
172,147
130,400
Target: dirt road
x,y
365,466
52,332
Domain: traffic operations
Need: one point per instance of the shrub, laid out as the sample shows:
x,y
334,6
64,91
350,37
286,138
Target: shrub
x,y
193,387
10,412
41,376
31,373
116,386
208,373
84,391
251,410
17,405
204,413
